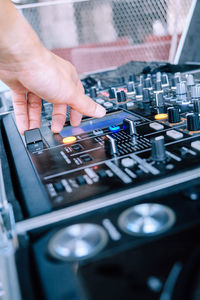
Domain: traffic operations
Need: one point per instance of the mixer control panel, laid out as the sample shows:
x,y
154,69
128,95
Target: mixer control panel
x,y
148,141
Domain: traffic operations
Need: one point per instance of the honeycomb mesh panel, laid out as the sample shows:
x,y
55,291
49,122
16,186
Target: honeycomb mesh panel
x,y
98,34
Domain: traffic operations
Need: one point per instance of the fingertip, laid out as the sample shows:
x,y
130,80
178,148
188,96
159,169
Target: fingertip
x,y
21,132
100,111
56,128
75,123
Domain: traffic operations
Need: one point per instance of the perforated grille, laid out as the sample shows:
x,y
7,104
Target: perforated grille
x,y
97,34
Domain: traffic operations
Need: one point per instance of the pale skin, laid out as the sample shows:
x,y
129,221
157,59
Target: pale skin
x,y
33,73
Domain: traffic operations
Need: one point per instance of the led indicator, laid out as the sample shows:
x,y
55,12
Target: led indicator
x,y
69,140
114,128
161,116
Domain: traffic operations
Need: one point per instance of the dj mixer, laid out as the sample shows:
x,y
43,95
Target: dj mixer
x,y
109,209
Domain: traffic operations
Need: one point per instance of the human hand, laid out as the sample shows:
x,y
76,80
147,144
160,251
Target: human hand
x,y
34,73
53,79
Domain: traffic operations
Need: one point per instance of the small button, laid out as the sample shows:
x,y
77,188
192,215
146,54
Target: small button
x,y
114,128
86,158
76,147
129,105
97,131
100,101
161,116
156,126
80,180
169,166
196,145
58,187
108,105
69,140
127,162
176,135
102,174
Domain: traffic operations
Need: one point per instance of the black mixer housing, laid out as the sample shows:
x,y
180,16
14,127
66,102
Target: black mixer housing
x,y
69,188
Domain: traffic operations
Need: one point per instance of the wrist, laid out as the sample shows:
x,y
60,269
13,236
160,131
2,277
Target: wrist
x,y
19,43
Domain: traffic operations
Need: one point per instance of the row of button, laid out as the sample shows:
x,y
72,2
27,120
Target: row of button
x,y
81,179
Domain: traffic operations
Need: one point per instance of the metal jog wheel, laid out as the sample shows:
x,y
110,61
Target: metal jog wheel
x,y
78,242
147,219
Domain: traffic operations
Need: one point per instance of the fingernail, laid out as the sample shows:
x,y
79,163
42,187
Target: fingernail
x,y
100,111
56,128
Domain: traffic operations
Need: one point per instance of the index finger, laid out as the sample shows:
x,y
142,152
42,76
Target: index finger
x,y
84,104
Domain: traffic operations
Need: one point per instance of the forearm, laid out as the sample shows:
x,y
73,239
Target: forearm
x,y
18,39
32,72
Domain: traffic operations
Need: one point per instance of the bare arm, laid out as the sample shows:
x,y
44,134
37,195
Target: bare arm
x,y
28,68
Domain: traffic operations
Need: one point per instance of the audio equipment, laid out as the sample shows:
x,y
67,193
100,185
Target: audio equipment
x,y
109,209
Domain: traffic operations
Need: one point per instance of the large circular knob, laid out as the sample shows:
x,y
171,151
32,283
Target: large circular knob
x,y
193,122
173,115
121,96
158,152
110,145
146,219
77,242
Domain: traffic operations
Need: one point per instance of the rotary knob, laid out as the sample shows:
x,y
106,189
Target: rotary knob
x,y
121,96
112,93
130,87
190,80
146,96
132,77
193,122
139,90
181,91
173,115
121,80
196,104
158,86
148,83
158,152
110,145
142,80
164,80
159,100
195,91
